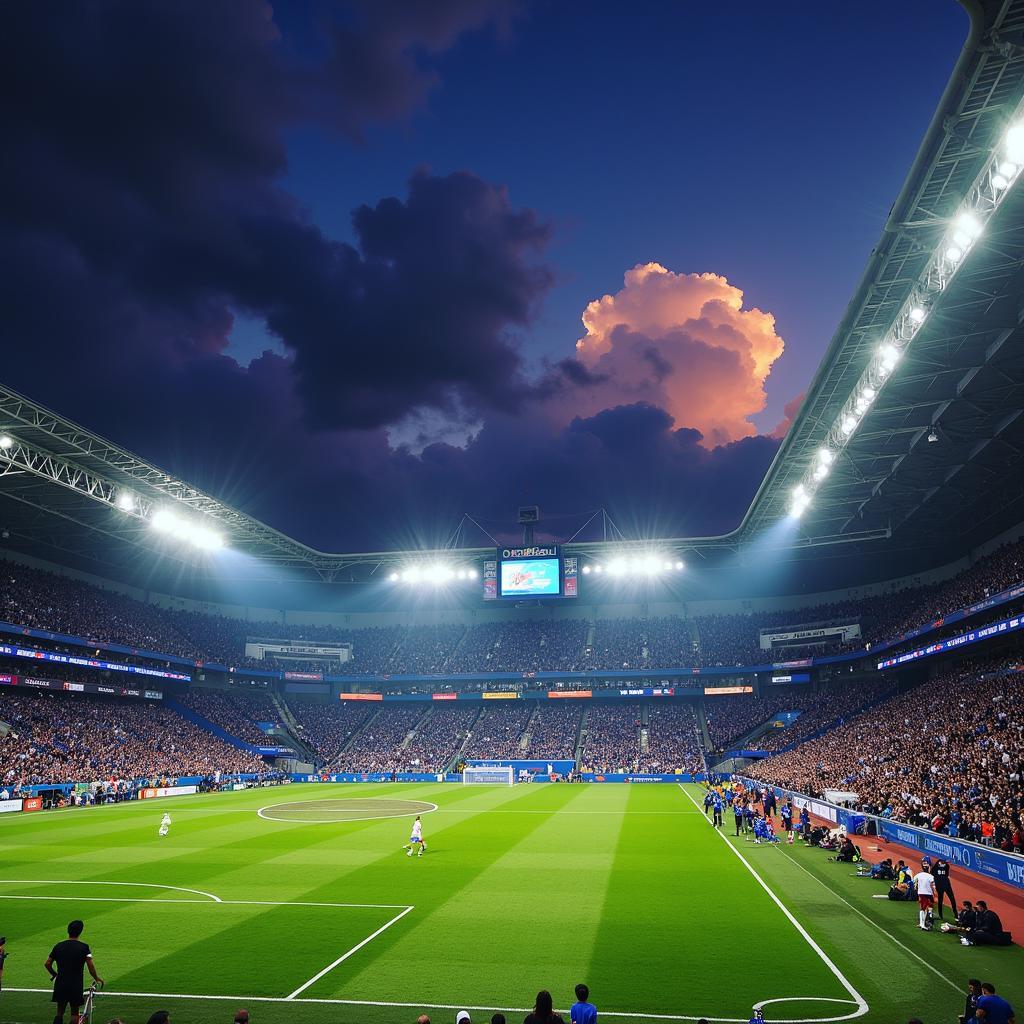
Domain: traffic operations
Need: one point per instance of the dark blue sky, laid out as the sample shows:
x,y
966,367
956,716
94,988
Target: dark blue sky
x,y
412,205
751,140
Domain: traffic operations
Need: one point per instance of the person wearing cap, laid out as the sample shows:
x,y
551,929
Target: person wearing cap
x,y
462,1017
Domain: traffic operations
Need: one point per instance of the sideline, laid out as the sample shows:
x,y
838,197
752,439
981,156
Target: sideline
x,y
860,913
145,885
858,999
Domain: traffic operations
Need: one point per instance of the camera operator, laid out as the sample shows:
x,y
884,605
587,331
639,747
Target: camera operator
x,y
71,956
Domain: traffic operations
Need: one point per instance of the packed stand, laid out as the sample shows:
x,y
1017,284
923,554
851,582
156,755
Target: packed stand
x,y
378,747
828,708
235,712
553,730
498,732
673,740
731,717
612,741
439,737
948,755
554,646
78,738
328,728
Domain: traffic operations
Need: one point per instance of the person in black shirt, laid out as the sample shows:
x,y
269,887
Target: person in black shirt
x,y
943,887
71,956
542,1011
988,928
971,1003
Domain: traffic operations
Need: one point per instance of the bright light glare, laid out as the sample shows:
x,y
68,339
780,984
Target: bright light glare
x,y
6,441
586,570
954,254
394,577
1014,143
208,540
999,182
849,424
825,456
917,315
165,521
969,225
679,566
125,501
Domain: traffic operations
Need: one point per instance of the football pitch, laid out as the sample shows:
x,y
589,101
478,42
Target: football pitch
x,y
299,903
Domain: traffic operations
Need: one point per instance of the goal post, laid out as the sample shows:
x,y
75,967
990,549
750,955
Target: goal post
x,y
494,775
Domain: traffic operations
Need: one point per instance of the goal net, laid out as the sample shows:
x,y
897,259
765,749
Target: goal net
x,y
497,776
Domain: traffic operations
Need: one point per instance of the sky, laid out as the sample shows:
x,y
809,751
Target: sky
x,y
361,267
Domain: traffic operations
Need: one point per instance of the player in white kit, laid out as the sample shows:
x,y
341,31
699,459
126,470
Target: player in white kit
x,y
165,824
416,839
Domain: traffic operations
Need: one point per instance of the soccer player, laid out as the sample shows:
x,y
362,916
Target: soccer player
x,y
165,824
787,819
924,882
416,839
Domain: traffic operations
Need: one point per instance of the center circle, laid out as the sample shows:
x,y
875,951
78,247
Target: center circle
x,y
325,812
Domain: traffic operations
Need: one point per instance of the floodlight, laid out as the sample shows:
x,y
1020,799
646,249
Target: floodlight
x,y
126,501
825,456
1013,143
954,254
165,521
667,566
969,224
917,314
6,441
849,424
679,566
820,472
586,570
1008,169
471,574
394,577
599,568
999,182
207,539
617,566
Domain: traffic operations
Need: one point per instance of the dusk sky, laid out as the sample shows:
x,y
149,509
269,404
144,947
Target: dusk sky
x,y
358,268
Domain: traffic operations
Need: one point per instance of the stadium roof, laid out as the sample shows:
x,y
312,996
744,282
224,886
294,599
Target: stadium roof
x,y
939,445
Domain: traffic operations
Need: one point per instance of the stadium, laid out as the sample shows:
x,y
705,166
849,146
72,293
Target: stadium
x,y
709,777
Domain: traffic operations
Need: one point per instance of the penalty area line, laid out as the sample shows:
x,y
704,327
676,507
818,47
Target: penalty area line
x,y
856,997
344,956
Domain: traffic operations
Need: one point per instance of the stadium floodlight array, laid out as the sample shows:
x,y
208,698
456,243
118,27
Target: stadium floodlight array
x,y
166,521
651,564
434,574
986,194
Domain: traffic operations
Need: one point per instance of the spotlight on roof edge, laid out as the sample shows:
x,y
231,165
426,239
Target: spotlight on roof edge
x,y
163,520
433,573
649,564
6,441
964,229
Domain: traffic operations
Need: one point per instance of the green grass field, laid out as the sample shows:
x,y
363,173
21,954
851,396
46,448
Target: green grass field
x,y
625,887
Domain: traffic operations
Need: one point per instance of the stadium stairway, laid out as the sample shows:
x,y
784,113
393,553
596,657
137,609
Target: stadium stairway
x,y
581,737
450,766
702,726
416,728
524,740
293,729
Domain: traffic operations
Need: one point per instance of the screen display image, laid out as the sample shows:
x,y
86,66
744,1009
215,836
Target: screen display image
x,y
530,577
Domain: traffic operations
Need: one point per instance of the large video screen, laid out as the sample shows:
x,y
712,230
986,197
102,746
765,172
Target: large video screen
x,y
530,577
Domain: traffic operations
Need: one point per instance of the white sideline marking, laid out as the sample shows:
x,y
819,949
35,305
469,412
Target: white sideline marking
x,y
430,808
145,885
906,949
462,1006
858,999
344,956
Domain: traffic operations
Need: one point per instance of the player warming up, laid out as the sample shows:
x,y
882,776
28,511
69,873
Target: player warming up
x,y
165,824
416,839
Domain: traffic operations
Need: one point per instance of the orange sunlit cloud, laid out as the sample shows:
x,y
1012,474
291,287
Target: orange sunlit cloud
x,y
683,342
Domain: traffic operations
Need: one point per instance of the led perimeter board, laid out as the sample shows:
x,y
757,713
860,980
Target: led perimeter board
x,y
536,571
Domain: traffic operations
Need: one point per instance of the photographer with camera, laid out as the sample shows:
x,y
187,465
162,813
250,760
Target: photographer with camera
x,y
71,956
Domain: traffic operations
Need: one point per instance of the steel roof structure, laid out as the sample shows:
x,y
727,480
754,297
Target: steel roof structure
x,y
941,446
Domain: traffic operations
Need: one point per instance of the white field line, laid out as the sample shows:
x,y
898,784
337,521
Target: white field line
x,y
459,810
857,998
144,885
344,956
207,903
874,924
463,1006
428,809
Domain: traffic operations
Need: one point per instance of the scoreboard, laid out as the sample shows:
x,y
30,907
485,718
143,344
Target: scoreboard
x,y
532,572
